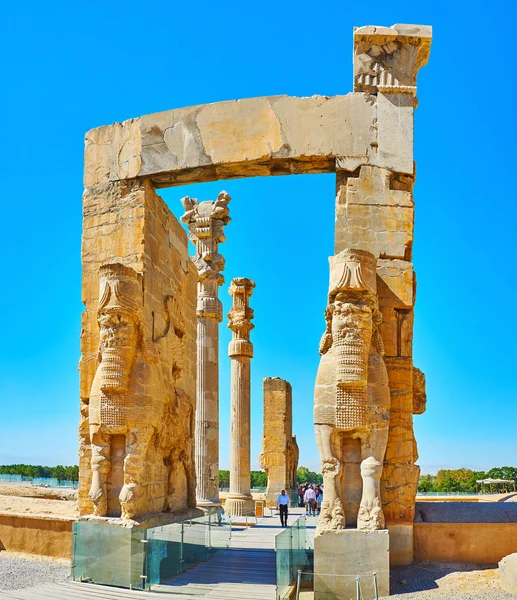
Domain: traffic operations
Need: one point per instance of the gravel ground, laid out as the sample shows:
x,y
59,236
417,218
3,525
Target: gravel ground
x,y
18,571
438,581
446,581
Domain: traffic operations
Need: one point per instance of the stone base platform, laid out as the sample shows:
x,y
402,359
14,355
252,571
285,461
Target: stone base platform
x,y
238,505
342,556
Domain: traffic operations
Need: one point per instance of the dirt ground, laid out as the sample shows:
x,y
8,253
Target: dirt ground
x,y
441,581
29,500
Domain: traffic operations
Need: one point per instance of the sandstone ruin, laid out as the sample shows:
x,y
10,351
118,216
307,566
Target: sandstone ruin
x,y
138,365
206,222
141,328
279,457
365,394
239,501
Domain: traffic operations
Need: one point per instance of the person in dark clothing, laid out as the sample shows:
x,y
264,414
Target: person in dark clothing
x,y
282,503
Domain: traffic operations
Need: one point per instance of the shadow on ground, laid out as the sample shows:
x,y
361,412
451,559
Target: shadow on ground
x,y
424,576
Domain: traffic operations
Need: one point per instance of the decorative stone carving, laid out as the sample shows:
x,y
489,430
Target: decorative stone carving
x,y
279,457
387,59
118,316
206,222
137,369
239,501
352,397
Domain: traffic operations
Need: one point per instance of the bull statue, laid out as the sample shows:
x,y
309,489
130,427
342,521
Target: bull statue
x,y
352,396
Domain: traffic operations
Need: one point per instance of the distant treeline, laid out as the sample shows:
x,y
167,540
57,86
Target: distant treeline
x,y
63,473
446,480
71,473
462,480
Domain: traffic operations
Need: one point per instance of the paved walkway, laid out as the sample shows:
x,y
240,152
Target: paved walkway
x,y
246,570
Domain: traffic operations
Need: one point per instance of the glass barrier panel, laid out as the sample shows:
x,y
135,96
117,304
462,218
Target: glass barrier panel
x,y
283,562
108,554
164,559
175,548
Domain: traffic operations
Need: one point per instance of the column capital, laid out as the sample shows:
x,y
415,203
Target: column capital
x,y
240,316
387,59
206,221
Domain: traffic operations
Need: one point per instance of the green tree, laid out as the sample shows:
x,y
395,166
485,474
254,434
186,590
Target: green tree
x,y
305,475
426,484
224,478
258,479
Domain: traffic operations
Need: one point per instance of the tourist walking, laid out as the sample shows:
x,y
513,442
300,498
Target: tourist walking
x,y
301,491
310,499
319,500
282,503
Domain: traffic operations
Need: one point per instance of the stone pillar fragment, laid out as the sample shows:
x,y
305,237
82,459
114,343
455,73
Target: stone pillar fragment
x,y
279,457
369,326
206,221
239,501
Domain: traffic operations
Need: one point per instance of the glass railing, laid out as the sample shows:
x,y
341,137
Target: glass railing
x,y
109,554
291,555
175,548
39,481
138,558
423,494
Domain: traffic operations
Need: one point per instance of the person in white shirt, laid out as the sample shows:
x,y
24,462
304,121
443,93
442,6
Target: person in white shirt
x,y
282,502
310,499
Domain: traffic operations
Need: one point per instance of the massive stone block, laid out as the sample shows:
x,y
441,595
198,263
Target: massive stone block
x,y
279,457
347,560
138,363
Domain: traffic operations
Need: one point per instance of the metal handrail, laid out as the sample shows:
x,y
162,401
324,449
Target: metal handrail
x,y
357,586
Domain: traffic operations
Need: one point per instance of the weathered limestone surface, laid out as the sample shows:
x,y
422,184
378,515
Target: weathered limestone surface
x,y
206,222
375,217
239,501
279,457
352,397
356,554
138,363
508,574
366,137
275,135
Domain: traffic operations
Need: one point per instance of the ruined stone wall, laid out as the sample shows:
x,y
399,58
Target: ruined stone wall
x,y
279,457
129,224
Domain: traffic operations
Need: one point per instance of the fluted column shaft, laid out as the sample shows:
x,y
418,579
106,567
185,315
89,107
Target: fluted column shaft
x,y
206,221
240,427
239,501
207,412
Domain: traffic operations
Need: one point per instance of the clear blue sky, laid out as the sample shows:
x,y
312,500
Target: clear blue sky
x,y
68,67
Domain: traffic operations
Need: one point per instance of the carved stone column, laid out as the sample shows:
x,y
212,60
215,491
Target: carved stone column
x,y
239,501
206,221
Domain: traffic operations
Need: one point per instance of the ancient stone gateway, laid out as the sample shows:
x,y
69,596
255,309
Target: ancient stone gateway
x,y
138,364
